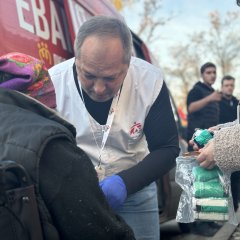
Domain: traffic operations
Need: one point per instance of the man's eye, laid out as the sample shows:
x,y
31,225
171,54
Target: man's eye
x,y
109,79
90,77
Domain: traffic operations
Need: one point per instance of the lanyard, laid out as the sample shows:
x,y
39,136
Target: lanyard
x,y
107,127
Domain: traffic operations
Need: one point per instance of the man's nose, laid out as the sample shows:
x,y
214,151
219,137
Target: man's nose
x,y
99,86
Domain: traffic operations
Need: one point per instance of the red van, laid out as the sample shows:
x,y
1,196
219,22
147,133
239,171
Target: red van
x,y
46,29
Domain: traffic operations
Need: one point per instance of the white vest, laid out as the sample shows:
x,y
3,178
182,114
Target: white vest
x,y
126,144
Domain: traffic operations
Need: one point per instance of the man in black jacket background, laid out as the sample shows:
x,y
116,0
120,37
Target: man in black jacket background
x,y
228,113
228,103
203,102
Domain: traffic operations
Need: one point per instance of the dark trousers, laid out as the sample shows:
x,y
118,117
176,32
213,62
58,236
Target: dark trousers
x,y
235,185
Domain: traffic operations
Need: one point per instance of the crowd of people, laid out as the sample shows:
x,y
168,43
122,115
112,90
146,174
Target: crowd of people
x,y
111,133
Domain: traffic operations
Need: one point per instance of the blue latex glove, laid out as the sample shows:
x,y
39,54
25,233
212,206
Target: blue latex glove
x,y
114,190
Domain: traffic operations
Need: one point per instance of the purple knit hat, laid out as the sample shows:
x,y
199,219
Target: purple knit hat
x,y
28,75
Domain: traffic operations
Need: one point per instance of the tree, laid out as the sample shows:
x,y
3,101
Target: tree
x,y
220,44
150,18
224,40
184,67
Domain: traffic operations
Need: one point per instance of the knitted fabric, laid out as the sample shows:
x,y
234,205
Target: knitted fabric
x,y
28,75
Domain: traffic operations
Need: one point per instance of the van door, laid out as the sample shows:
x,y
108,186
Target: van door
x,y
78,11
35,27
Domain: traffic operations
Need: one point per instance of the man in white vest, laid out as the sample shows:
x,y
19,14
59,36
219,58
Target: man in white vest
x,y
121,109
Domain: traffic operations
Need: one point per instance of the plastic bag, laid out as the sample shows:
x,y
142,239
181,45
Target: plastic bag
x,y
206,193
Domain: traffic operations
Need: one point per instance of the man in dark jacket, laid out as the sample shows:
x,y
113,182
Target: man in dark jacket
x,y
34,136
203,102
228,113
228,103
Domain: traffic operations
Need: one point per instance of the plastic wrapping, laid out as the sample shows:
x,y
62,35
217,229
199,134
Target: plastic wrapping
x,y
206,193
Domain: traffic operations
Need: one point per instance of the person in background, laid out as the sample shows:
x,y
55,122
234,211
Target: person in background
x,y
121,109
228,103
228,113
203,102
37,138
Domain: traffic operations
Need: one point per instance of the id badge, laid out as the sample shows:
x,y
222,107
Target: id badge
x,y
100,172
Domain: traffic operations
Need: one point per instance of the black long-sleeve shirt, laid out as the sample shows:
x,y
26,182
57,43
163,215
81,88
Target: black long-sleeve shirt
x,y
162,138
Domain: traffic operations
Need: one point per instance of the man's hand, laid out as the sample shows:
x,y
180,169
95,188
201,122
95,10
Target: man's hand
x,y
216,96
206,157
114,190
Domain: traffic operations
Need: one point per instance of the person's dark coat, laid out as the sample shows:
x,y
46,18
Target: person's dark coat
x,y
44,144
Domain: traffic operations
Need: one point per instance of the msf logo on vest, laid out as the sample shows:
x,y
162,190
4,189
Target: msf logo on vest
x,y
135,130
